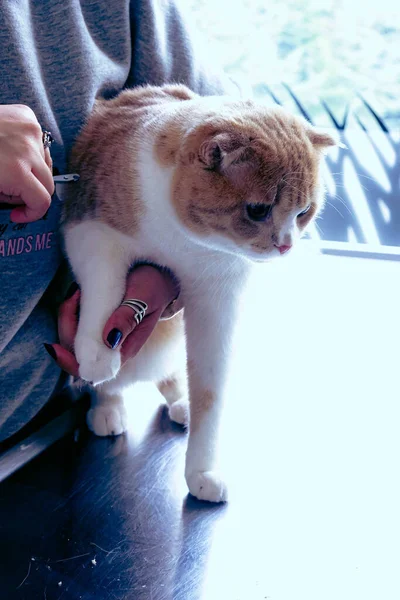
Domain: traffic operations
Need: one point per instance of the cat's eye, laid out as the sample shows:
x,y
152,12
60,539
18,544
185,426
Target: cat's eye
x,y
305,211
258,212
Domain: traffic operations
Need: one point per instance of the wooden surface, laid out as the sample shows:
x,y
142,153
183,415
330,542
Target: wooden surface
x,y
310,446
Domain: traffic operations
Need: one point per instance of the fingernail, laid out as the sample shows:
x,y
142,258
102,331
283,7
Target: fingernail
x,y
71,290
51,351
114,338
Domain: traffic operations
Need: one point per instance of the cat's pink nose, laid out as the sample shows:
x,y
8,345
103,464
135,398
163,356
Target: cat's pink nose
x,y
283,249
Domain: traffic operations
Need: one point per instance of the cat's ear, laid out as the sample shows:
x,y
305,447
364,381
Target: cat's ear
x,y
321,139
213,151
224,154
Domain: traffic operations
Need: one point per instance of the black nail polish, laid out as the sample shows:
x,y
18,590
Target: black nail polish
x,y
71,290
51,351
114,338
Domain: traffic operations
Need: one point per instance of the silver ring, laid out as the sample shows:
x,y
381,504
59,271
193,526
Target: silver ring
x,y
138,306
47,139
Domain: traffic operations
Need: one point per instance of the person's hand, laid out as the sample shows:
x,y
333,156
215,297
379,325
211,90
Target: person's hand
x,y
25,166
154,287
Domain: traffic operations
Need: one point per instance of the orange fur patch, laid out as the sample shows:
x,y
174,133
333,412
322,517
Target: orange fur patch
x,y
200,403
171,389
104,156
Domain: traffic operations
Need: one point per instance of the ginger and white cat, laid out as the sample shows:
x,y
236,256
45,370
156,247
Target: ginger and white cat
x,y
204,186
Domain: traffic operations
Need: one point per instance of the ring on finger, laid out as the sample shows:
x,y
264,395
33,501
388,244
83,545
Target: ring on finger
x,y
47,139
138,306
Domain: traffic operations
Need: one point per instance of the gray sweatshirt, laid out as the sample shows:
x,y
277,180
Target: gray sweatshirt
x,y
56,56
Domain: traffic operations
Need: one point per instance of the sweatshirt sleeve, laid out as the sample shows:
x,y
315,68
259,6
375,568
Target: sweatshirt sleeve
x,y
166,49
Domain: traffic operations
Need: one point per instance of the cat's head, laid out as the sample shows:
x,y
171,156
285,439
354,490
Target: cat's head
x,y
248,180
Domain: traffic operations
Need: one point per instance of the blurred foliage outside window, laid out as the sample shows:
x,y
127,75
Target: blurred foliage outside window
x,y
330,49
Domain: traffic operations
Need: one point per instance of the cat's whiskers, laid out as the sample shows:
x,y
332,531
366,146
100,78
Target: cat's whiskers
x,y
341,200
342,185
208,266
317,226
358,175
337,184
214,293
296,189
335,208
336,196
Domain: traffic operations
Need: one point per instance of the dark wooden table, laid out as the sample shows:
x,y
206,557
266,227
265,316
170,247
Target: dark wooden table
x,y
310,447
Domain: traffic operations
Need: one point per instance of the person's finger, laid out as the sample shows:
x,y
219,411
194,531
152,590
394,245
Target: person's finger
x,y
134,342
68,314
42,171
6,199
148,284
64,358
48,159
36,198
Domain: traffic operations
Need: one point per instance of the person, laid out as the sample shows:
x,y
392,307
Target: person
x,y
56,57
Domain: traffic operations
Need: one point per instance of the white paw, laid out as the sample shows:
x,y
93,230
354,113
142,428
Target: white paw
x,y
179,412
97,363
207,485
109,419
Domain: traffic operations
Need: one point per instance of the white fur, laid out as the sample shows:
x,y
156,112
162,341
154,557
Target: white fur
x,y
107,415
289,231
210,272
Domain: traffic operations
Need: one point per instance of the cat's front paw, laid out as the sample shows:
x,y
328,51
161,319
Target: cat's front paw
x,y
97,363
107,419
207,485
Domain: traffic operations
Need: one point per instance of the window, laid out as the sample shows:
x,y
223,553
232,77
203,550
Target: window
x,y
335,49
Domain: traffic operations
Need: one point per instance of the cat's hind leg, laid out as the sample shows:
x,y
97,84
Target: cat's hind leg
x,y
174,390
107,415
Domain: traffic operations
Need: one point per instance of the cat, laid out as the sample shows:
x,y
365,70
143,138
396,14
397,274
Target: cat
x,y
204,186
